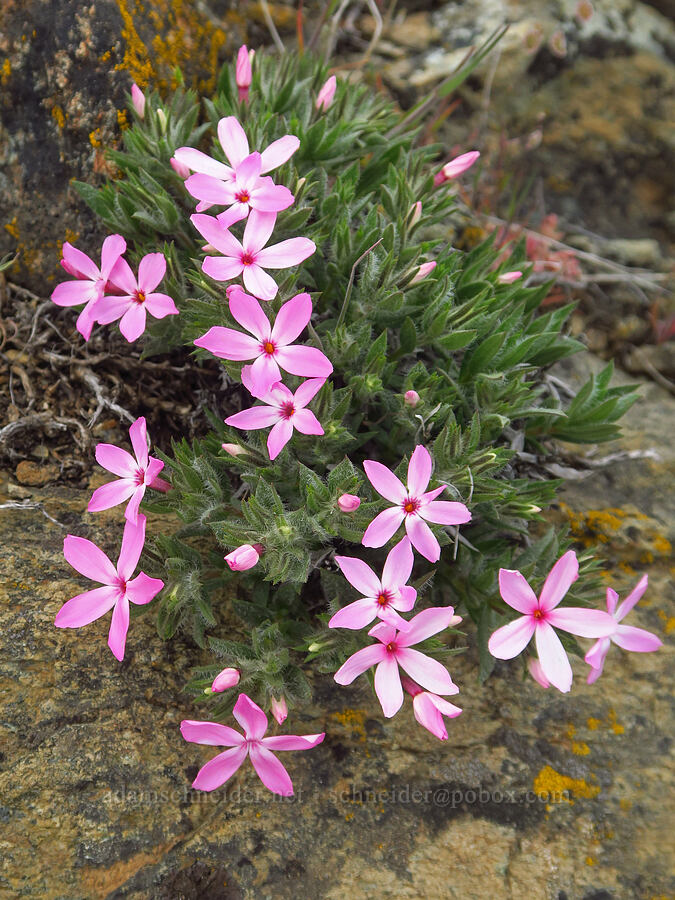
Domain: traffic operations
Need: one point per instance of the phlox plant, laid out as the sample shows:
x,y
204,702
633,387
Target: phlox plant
x,y
379,477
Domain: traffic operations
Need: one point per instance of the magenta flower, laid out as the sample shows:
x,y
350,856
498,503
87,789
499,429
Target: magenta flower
x,y
244,557
271,345
246,190
412,505
242,73
118,586
250,256
325,96
224,680
138,298
135,474
283,410
254,722
138,100
348,503
456,167
539,617
91,283
279,709
382,597
393,650
638,640
429,709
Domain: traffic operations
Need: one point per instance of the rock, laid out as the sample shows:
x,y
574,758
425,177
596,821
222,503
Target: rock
x,y
641,252
31,473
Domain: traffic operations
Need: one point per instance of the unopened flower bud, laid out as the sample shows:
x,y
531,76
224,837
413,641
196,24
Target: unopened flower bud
x,y
456,167
228,678
179,168
326,94
243,73
509,277
233,449
348,503
138,100
411,398
425,269
244,557
415,213
279,710
161,115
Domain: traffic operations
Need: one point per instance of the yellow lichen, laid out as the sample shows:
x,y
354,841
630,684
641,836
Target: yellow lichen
x,y
557,787
122,119
580,748
5,71
590,861
59,116
95,137
593,724
613,724
668,620
13,228
354,719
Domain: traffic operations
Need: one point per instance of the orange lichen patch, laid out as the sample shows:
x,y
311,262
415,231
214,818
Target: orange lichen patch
x,y
354,719
590,861
593,724
613,724
59,116
95,137
557,787
99,882
668,620
5,71
71,236
13,228
122,120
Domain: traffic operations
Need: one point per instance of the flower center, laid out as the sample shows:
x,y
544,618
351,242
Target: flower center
x,y
268,348
287,410
139,296
139,476
391,647
538,614
247,259
242,196
384,598
410,505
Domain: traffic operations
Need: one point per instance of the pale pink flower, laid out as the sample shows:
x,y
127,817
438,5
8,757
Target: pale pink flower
x,y
224,680
456,167
509,277
425,269
138,100
627,637
91,283
412,506
348,503
411,398
254,722
279,709
325,96
242,73
429,709
393,649
271,345
539,617
244,557
249,256
415,213
138,298
283,410
179,168
135,474
381,597
118,586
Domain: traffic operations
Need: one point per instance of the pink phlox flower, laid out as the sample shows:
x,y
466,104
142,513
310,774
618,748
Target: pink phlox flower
x,y
250,256
381,596
91,281
429,709
348,503
282,409
136,473
325,96
271,345
246,190
252,743
243,74
541,615
225,679
393,649
638,640
138,298
118,589
413,505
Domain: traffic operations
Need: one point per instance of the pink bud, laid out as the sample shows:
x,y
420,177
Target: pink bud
x,y
226,679
244,557
415,213
509,277
279,710
348,503
537,672
411,398
456,167
233,449
325,96
243,72
138,100
179,168
425,269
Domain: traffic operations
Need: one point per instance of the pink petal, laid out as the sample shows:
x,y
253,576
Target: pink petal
x,y
419,471
516,591
133,506
119,626
122,277
258,230
630,601
406,599
384,632
422,538
431,495
233,140
427,623
210,190
133,539
359,662
355,615
151,270
445,512
234,214
292,319
595,673
398,566
561,577
251,718
306,422
384,481
72,293
590,623
109,309
160,306
87,607
132,323
142,589
278,152
389,615
113,247
285,254
444,706
222,268
217,235
278,437
271,771
249,314
383,527
388,686
264,373
138,433
269,197
429,716
217,771
293,741
553,658
510,640
253,418
612,600
87,318
79,262
211,733
307,362
227,343
200,162
307,391
110,494
359,575
87,559
115,460
248,171
596,656
636,639
259,283
426,671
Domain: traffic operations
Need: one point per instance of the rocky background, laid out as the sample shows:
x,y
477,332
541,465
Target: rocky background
x,y
535,794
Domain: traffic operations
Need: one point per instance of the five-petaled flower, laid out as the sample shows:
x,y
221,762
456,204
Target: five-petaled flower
x,y
270,345
628,637
393,649
413,505
134,474
118,587
138,298
252,743
429,709
381,596
539,617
